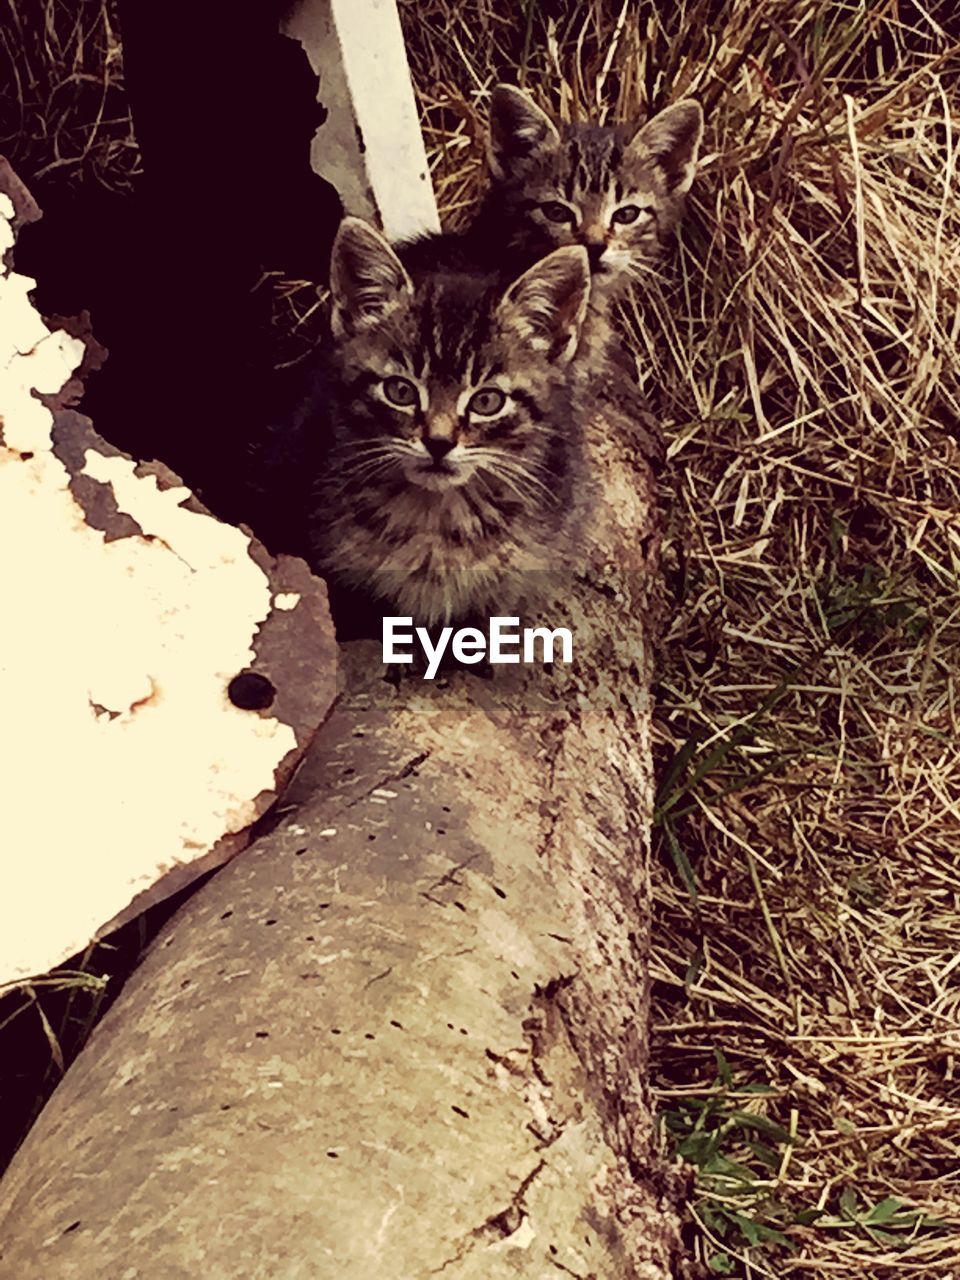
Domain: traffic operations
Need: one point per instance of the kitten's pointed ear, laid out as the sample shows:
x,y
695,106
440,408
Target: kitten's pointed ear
x,y
545,308
672,140
367,279
519,132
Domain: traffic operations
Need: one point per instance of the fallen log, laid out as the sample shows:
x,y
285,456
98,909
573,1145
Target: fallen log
x,y
405,1033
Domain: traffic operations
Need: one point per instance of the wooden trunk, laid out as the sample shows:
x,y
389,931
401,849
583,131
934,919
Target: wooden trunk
x,y
405,1033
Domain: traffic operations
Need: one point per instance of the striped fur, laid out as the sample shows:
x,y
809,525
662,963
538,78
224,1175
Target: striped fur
x,y
433,495
617,190
593,172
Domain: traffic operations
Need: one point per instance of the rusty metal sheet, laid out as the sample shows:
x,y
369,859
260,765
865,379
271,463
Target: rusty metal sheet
x,y
160,673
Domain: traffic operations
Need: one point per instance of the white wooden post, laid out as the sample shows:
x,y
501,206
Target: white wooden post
x,y
370,147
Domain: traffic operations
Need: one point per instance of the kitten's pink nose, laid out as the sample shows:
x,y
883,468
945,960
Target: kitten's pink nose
x,y
438,446
595,239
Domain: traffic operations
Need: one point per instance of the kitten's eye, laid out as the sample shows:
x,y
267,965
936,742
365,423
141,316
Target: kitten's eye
x,y
401,392
554,211
487,402
628,213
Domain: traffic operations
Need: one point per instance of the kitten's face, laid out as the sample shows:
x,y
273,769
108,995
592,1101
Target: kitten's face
x,y
617,191
448,384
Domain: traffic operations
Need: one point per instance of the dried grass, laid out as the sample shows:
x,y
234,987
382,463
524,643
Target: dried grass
x,y
63,114
802,354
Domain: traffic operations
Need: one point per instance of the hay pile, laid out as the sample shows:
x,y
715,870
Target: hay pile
x,y
802,354
64,120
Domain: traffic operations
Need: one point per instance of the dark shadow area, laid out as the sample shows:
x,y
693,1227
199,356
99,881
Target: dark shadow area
x,y
43,1028
167,264
224,109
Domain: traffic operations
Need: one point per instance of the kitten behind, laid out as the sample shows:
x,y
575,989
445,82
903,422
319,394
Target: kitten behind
x,y
445,429
617,190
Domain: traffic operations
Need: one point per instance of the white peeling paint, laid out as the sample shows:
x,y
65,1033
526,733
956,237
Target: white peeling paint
x,y
123,755
286,600
6,222
370,146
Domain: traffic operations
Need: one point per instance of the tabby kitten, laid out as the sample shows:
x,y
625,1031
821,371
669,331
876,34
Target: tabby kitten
x,y
448,410
617,190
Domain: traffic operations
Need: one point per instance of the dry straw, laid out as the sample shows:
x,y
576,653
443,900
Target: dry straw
x,y
802,354
63,115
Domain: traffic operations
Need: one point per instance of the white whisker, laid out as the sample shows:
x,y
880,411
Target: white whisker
x,y
516,475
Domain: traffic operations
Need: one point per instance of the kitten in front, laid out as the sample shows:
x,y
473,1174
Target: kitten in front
x,y
444,413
